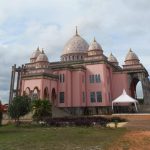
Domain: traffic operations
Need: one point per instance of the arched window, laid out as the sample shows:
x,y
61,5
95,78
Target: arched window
x,y
46,94
99,78
53,96
36,93
27,91
63,78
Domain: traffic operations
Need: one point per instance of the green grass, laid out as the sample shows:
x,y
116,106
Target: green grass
x,y
60,138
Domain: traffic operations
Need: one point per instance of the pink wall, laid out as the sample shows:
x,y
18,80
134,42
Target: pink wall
x,y
94,87
83,88
66,88
50,84
41,84
111,85
32,83
119,82
72,88
76,88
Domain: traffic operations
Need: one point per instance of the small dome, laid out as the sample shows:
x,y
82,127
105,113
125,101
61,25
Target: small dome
x,y
35,54
94,46
131,56
112,58
75,45
42,57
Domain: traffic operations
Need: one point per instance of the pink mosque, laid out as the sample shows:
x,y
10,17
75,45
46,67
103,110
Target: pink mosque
x,y
84,80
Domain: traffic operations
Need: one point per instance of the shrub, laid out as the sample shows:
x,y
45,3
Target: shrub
x,y
79,121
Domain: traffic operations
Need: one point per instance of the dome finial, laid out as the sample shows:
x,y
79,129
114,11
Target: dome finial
x,y
94,39
38,49
76,30
42,50
130,50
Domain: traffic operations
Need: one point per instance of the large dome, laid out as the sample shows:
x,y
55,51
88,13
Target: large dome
x,y
95,46
75,45
42,57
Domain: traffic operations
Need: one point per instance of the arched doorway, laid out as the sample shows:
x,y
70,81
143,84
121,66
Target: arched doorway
x,y
53,96
133,87
36,93
136,90
27,91
139,92
134,79
46,94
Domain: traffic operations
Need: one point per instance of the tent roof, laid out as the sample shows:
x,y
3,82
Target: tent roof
x,y
124,98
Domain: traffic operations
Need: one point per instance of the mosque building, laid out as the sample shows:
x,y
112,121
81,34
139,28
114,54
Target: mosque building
x,y
84,80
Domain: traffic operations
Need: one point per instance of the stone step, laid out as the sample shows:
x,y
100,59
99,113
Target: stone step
x,y
59,112
144,109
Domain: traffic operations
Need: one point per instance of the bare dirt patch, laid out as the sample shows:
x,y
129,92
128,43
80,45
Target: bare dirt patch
x,y
137,136
133,140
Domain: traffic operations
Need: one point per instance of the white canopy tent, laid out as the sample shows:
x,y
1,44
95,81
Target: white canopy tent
x,y
124,98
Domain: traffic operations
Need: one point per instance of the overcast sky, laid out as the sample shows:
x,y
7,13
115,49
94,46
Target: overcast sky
x,y
26,24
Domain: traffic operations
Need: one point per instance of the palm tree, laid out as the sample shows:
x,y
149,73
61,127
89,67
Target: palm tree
x,y
42,109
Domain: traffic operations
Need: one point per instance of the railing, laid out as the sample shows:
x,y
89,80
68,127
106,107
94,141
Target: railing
x,y
37,71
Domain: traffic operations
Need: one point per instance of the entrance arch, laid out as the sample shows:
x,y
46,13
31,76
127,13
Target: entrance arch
x,y
136,90
133,84
134,79
139,90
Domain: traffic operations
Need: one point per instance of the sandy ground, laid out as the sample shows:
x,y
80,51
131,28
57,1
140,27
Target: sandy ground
x,y
137,136
133,140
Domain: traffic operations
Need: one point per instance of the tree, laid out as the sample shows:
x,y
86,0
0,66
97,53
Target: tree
x,y
42,109
1,113
19,106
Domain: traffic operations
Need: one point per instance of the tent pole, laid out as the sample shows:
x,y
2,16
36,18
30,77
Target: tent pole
x,y
112,106
135,107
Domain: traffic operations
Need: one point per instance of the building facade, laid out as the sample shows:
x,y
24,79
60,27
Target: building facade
x,y
85,80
